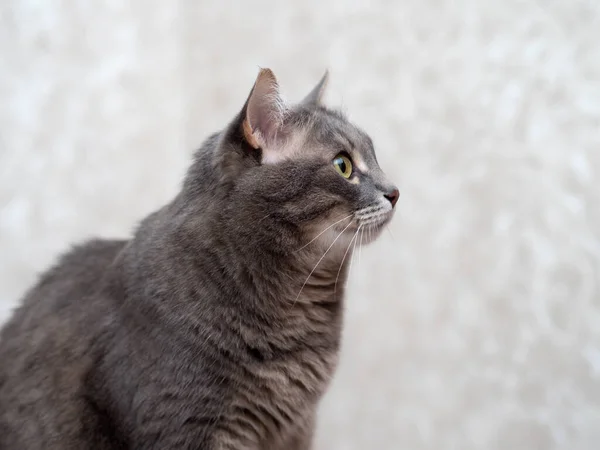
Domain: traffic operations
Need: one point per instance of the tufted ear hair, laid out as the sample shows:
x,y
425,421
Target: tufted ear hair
x,y
264,111
316,95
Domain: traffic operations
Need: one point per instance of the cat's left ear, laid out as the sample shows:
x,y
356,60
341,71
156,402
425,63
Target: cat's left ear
x,y
264,111
315,96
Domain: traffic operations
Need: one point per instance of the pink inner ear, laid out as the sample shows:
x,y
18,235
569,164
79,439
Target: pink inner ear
x,y
249,135
265,111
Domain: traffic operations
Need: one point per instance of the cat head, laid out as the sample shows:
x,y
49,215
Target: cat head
x,y
301,173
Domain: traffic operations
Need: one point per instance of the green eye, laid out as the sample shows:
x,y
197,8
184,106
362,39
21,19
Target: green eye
x,y
343,165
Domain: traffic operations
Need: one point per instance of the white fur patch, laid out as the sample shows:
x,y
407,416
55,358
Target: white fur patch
x,y
284,149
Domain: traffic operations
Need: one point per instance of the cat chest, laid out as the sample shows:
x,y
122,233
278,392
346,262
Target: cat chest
x,y
302,377
280,396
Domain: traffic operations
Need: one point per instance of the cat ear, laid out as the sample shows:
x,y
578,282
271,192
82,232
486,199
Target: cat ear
x,y
265,110
315,96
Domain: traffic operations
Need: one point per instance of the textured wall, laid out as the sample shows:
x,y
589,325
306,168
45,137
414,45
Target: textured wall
x,y
475,323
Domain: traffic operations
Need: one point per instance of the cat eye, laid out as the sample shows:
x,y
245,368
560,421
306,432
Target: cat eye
x,y
343,165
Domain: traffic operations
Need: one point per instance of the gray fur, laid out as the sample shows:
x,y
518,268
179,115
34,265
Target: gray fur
x,y
315,96
210,328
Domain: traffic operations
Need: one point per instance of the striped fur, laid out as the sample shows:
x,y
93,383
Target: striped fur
x,y
217,325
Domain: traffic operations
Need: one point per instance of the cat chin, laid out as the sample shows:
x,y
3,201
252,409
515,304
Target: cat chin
x,y
368,233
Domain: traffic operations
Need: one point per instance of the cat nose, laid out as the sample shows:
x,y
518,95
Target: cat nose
x,y
392,196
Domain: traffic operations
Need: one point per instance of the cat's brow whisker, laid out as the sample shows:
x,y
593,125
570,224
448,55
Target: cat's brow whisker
x,y
344,259
319,261
321,233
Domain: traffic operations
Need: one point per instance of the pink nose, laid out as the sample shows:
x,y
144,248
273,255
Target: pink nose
x,y
393,197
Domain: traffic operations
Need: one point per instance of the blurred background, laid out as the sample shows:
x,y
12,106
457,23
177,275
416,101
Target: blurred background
x,y
475,323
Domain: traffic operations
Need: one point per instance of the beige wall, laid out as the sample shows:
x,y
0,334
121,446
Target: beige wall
x,y
475,323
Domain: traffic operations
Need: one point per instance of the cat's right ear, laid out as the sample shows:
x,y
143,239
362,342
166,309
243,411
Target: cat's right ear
x,y
315,97
264,111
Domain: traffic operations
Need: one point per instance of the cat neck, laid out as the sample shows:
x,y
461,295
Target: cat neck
x,y
254,267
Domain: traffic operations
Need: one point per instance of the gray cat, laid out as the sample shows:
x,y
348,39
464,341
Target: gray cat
x,y
217,326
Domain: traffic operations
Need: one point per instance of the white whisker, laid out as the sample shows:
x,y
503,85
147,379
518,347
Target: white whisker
x,y
319,261
373,219
264,217
390,231
370,215
360,249
321,233
353,250
368,209
343,259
